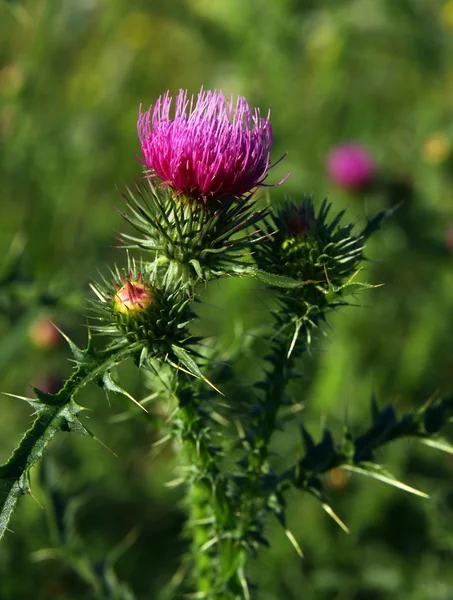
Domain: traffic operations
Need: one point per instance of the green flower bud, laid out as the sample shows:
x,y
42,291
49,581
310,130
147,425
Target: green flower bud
x,y
134,310
132,297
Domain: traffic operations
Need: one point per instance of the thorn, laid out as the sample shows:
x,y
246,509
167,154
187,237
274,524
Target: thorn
x,y
25,398
162,440
205,379
327,276
34,497
209,543
388,480
77,352
439,444
335,517
293,541
220,419
98,293
175,482
96,439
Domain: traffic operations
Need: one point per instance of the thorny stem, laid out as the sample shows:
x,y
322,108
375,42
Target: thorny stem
x,y
244,529
275,384
211,510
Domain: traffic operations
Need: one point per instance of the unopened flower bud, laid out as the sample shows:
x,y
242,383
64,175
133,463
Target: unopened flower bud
x,y
436,148
298,222
133,296
134,310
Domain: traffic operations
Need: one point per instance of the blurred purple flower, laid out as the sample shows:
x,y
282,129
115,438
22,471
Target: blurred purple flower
x,y
44,334
48,383
351,166
210,147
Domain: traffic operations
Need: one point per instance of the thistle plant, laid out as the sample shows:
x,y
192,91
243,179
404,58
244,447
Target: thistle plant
x,y
197,218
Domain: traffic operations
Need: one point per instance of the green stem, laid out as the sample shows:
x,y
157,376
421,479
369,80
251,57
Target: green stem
x,y
275,385
211,510
253,497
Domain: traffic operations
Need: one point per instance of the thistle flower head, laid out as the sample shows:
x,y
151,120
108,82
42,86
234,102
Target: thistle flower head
x,y
209,147
351,166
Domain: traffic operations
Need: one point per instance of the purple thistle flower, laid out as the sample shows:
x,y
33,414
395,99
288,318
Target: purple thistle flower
x,y
209,148
351,166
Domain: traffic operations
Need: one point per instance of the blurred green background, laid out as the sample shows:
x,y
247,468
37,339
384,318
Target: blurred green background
x,y
380,72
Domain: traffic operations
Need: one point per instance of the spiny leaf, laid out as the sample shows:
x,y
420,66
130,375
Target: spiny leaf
x,y
350,288
111,386
14,473
191,366
375,223
57,412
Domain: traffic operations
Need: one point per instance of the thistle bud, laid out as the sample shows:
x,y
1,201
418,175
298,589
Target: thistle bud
x,y
134,310
298,222
132,297
309,247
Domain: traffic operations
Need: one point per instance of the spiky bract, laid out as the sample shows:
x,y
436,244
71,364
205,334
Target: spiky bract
x,y
190,241
307,246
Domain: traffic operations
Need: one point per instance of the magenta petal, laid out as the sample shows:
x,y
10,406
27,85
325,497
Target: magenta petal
x,y
208,147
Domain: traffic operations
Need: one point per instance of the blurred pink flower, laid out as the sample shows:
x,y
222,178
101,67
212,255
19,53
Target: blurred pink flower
x,y
351,166
44,334
48,382
210,147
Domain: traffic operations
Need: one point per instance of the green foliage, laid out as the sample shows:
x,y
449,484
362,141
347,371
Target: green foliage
x,y
69,547
55,412
71,78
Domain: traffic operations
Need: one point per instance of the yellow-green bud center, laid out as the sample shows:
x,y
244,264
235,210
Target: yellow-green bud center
x,y
134,296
